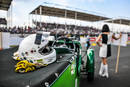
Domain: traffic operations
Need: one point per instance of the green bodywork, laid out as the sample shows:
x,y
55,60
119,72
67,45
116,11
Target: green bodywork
x,y
70,77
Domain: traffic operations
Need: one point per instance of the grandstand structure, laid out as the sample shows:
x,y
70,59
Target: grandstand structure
x,y
6,6
119,21
72,14
43,10
65,13
3,21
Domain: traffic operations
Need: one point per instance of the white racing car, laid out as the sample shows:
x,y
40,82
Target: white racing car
x,y
35,50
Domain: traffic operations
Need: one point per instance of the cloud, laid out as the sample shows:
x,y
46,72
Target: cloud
x,y
95,0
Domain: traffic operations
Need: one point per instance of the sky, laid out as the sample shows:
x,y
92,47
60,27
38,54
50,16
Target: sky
x,y
108,8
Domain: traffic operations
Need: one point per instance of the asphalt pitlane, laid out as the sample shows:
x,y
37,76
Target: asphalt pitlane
x,y
120,79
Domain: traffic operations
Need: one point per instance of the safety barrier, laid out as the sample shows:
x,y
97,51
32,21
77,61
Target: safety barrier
x,y
4,40
128,38
93,39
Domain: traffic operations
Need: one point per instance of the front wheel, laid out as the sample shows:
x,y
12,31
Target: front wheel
x,y
90,76
21,70
90,65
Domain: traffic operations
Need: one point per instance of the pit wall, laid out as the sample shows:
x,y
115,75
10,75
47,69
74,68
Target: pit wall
x,y
4,40
8,40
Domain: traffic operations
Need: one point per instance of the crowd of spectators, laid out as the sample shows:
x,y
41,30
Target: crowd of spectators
x,y
18,30
3,21
53,28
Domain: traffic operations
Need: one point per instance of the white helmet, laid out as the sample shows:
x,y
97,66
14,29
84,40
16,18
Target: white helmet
x,y
35,49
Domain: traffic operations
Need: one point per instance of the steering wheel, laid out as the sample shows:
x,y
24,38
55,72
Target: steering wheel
x,y
64,42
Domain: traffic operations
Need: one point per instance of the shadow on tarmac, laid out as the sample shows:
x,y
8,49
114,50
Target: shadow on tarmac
x,y
120,79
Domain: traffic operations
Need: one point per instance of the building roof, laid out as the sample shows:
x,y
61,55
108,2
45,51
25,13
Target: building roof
x,y
119,21
58,12
5,4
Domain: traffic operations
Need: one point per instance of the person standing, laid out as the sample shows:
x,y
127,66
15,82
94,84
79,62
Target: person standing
x,y
105,48
88,41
